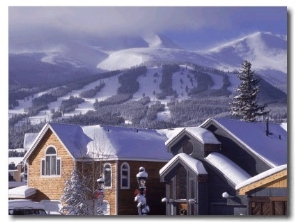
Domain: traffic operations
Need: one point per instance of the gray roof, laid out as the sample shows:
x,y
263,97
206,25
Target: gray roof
x,y
272,149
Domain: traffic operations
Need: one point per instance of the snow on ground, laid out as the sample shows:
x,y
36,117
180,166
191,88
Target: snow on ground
x,y
26,103
181,82
110,88
235,81
148,84
217,79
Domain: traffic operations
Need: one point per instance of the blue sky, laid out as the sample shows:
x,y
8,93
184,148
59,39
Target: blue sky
x,y
192,28
232,22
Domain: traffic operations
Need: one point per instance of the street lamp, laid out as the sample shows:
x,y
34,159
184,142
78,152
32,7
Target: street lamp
x,y
100,195
140,193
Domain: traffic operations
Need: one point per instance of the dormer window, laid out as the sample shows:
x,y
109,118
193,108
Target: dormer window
x,y
51,164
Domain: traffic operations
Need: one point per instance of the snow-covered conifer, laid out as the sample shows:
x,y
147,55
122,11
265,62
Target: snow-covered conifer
x,y
74,197
244,104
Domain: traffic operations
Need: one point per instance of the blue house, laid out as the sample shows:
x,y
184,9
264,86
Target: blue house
x,y
227,167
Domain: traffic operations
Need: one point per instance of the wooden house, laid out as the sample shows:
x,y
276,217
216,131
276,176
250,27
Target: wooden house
x,y
267,192
116,153
212,161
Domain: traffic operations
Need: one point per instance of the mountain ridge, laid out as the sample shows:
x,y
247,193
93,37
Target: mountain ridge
x,y
266,52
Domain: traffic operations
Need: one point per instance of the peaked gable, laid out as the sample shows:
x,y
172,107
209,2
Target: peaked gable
x,y
202,135
195,165
68,134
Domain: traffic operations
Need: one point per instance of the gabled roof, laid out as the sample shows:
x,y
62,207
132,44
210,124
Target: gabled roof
x,y
228,168
108,142
195,165
272,148
202,135
262,178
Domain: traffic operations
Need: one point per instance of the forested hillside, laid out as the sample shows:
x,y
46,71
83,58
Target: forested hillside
x,y
161,96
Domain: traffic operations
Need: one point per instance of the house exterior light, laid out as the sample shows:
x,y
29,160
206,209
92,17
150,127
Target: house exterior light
x,y
99,194
226,195
140,193
141,177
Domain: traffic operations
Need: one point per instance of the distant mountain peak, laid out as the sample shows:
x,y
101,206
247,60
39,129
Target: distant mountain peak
x,y
266,37
159,41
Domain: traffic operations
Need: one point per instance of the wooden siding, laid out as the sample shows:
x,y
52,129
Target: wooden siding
x,y
121,200
268,206
49,187
277,180
93,170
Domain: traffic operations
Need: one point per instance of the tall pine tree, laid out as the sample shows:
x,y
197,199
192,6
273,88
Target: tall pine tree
x,y
244,105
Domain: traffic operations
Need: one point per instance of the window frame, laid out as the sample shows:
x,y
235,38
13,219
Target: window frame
x,y
104,175
49,157
123,177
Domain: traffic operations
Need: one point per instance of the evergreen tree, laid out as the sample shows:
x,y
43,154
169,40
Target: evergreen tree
x,y
244,104
74,196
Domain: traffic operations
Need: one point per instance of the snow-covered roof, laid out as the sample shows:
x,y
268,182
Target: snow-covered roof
x,y
13,184
21,192
272,148
261,176
228,168
110,142
52,206
24,204
194,164
201,134
29,139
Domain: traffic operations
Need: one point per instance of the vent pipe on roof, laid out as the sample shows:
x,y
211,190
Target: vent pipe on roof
x,y
267,128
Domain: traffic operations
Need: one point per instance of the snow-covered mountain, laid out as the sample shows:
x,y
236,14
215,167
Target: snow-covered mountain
x,y
267,53
183,82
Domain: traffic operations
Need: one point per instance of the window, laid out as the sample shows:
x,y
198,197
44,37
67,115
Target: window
x,y
125,178
107,175
181,183
50,164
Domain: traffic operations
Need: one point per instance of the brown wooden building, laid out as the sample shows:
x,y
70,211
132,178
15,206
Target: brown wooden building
x,y
116,153
267,192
